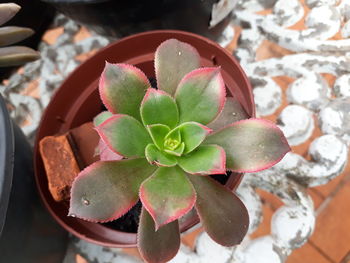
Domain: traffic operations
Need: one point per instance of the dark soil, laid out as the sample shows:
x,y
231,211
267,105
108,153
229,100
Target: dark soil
x,y
130,221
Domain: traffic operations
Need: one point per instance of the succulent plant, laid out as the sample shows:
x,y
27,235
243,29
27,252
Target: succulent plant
x,y
13,55
169,150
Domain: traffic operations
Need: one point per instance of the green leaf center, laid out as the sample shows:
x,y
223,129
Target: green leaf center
x,y
171,144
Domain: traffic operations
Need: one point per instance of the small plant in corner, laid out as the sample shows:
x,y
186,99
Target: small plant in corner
x,y
13,55
168,152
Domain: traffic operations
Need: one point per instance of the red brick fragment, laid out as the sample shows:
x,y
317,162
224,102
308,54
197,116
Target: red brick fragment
x,y
64,156
60,165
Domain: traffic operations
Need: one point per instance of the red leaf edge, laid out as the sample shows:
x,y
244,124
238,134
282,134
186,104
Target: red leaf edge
x,y
274,127
151,211
208,70
101,84
115,216
103,137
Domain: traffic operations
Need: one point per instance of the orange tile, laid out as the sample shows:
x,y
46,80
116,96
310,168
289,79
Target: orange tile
x,y
132,251
233,45
80,259
332,231
270,49
268,198
330,187
51,35
265,226
317,198
190,238
83,33
84,56
307,254
346,259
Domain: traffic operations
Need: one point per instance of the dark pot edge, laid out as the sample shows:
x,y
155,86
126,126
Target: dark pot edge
x,y
7,157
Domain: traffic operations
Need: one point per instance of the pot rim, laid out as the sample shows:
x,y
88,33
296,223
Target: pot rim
x,y
6,160
37,159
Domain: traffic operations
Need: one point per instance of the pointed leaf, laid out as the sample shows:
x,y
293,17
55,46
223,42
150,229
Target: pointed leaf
x,y
232,112
7,11
206,159
221,212
192,134
155,156
122,88
157,246
158,107
200,95
173,60
158,133
13,34
178,151
103,116
167,195
125,135
17,55
105,191
106,153
251,145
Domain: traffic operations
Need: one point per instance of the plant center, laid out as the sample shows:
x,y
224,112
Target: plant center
x,y
171,144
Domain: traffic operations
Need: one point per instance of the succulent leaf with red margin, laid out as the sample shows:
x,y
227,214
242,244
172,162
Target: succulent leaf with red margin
x,y
158,133
192,134
106,190
106,153
158,107
155,156
205,160
102,117
178,151
122,88
232,112
200,96
222,213
251,145
125,135
157,246
167,195
173,60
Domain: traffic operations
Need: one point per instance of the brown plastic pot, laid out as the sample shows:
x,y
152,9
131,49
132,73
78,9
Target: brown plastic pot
x,y
77,101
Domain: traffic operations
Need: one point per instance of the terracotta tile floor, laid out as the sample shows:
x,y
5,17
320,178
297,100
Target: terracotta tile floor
x,y
330,242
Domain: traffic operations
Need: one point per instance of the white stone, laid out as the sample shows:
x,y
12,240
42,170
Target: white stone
x,y
262,250
313,3
288,12
209,251
292,226
324,22
267,97
326,148
342,86
253,204
99,254
335,117
311,91
297,124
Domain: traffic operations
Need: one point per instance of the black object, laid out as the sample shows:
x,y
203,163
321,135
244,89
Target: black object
x,y
27,233
118,18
